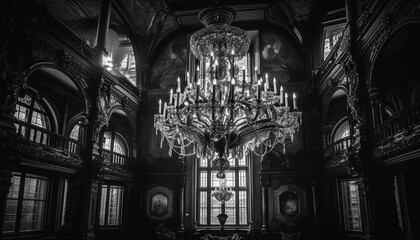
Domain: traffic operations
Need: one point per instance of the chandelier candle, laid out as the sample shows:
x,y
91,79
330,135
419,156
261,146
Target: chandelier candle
x,y
275,85
281,95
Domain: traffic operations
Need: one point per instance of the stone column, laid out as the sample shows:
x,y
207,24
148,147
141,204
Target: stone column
x,y
265,182
181,230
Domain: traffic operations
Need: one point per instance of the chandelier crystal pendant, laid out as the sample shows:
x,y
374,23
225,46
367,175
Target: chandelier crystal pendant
x,y
224,111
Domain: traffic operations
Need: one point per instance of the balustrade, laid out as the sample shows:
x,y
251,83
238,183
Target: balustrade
x,y
45,137
403,122
337,146
115,158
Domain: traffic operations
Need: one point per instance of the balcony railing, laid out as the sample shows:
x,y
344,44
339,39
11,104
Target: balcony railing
x,y
337,146
403,122
115,158
42,136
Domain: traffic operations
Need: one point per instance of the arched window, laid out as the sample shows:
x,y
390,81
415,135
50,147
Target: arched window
x,y
33,122
75,132
75,139
116,146
342,131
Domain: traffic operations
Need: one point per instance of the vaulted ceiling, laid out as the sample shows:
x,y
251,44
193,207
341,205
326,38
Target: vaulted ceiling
x,y
157,18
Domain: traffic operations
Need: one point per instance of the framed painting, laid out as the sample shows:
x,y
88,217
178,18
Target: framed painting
x,y
159,203
289,203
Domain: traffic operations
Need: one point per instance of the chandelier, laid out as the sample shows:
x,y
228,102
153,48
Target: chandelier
x,y
222,193
224,112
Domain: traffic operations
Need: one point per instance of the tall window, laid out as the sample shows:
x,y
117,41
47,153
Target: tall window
x,y
26,204
29,111
111,205
351,208
115,144
128,67
75,139
237,207
331,36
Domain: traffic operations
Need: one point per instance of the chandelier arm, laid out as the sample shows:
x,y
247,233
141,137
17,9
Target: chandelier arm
x,y
199,136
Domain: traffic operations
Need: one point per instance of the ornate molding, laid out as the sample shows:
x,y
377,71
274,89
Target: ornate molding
x,y
46,154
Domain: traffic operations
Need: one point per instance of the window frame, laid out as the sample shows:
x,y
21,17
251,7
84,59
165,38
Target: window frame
x,y
38,107
343,203
339,129
329,26
20,199
106,213
208,189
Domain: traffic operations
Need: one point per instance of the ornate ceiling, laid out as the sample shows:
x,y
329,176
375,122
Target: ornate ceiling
x,y
159,17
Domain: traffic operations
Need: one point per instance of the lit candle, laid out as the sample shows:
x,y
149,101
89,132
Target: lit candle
x,y
285,99
214,90
164,110
294,101
259,90
179,85
160,106
232,89
281,94
275,85
171,95
267,84
188,79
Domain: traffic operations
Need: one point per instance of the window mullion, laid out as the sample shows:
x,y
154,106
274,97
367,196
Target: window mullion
x,y
20,203
107,205
236,192
31,110
208,170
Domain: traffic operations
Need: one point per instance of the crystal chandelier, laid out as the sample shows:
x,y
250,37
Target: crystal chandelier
x,y
222,193
223,111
